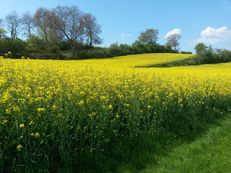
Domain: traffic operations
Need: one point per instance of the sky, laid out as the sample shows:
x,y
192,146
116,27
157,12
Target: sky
x,y
207,21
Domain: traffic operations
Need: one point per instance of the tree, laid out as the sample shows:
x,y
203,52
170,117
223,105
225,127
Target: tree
x,y
2,33
92,29
138,47
1,21
173,41
150,36
2,30
36,44
43,21
200,48
126,49
115,49
68,21
13,23
27,23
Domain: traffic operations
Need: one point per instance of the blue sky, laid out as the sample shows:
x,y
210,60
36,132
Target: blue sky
x,y
206,21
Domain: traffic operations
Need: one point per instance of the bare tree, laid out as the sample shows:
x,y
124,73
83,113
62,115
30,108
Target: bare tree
x,y
92,29
68,21
43,21
27,23
173,40
13,23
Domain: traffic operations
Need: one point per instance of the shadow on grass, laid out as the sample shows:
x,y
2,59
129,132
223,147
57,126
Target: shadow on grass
x,y
160,145
184,62
136,154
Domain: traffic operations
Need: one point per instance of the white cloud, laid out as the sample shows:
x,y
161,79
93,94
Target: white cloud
x,y
173,32
215,35
125,35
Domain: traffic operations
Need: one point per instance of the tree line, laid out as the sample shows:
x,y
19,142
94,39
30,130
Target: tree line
x,y
68,33
208,55
204,55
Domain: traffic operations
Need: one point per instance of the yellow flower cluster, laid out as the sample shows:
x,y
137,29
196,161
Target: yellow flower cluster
x,y
40,110
35,135
21,126
19,147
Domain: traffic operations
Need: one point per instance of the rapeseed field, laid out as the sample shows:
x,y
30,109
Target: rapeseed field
x,y
51,112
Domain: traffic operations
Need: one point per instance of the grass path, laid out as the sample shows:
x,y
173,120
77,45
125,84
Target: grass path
x,y
209,153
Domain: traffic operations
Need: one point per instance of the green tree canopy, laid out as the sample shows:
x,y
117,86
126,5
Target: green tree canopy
x,y
150,36
200,48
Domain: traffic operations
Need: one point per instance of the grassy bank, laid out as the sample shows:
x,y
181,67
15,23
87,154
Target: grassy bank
x,y
208,153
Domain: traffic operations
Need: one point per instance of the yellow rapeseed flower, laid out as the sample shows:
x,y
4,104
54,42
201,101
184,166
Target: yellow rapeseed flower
x,y
92,115
31,122
82,93
39,110
8,111
110,106
21,126
4,122
5,97
35,135
103,97
19,147
81,102
54,107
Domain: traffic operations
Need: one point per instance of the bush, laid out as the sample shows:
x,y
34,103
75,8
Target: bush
x,y
17,48
207,55
93,53
36,47
186,52
215,57
117,50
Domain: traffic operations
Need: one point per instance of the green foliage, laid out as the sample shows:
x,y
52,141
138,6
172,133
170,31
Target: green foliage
x,y
117,50
185,52
2,33
36,44
17,47
52,35
150,36
93,53
37,47
200,48
205,55
139,48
